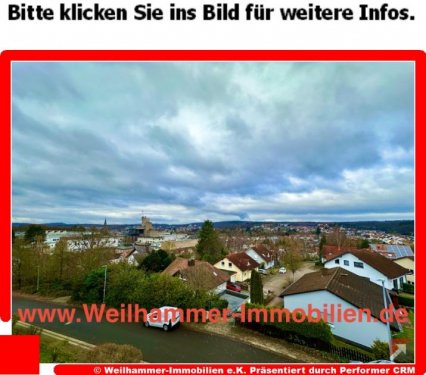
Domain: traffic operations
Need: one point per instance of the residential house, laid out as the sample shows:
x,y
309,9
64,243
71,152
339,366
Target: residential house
x,y
393,251
372,265
199,274
240,263
262,255
330,251
337,288
408,264
123,255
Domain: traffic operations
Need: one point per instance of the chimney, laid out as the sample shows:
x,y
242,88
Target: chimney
x,y
191,262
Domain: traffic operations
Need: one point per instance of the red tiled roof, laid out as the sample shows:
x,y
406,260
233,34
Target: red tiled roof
x,y
358,291
382,264
330,251
264,252
201,275
243,261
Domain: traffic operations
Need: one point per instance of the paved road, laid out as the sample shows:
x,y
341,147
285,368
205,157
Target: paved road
x,y
178,346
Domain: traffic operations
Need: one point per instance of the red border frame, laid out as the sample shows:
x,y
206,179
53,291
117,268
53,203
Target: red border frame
x,y
7,57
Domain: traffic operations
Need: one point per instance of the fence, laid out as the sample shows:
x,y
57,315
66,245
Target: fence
x,y
337,351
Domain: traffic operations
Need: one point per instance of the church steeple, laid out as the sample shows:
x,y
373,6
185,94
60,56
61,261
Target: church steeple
x,y
105,222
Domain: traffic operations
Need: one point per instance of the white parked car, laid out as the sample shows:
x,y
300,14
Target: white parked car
x,y
165,317
282,270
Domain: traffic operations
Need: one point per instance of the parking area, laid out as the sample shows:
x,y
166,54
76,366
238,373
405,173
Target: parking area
x,y
277,282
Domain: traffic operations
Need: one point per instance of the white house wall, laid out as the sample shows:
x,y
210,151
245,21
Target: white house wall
x,y
361,332
221,288
368,271
254,255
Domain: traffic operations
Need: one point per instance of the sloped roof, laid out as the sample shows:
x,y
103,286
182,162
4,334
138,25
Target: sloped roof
x,y
382,264
330,251
204,276
201,275
356,290
243,261
264,252
393,251
177,265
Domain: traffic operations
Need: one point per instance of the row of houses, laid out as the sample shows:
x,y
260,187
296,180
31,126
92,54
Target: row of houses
x,y
234,267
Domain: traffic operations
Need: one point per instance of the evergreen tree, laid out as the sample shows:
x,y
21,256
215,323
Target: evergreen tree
x,y
318,231
157,261
209,247
256,288
35,233
321,247
363,244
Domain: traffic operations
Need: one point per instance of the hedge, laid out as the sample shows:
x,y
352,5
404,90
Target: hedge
x,y
406,301
408,288
310,330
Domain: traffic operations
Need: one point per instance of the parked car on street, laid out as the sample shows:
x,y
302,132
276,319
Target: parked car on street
x,y
282,270
165,317
233,287
262,271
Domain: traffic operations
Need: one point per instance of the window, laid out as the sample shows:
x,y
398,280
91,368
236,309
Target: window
x,y
337,261
401,281
358,265
395,284
346,262
223,263
230,264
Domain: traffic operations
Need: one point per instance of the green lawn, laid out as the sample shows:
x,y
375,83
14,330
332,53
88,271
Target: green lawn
x,y
53,350
407,333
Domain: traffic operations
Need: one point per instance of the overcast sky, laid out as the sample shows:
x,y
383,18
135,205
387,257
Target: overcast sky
x,y
184,142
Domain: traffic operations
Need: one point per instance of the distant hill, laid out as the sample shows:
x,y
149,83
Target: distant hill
x,y
404,227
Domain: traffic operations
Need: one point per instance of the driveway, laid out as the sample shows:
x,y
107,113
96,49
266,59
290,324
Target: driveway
x,y
278,282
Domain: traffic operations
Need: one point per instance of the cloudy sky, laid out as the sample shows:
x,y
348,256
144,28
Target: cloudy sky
x,y
183,142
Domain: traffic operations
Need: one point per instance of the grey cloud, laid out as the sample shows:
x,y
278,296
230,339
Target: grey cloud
x,y
90,138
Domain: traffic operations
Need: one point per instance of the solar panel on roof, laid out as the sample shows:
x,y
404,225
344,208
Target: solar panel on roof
x,y
400,251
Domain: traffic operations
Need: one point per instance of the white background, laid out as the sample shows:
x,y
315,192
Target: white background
x,y
198,34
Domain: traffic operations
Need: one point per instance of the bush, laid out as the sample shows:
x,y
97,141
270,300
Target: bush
x,y
114,353
58,352
380,350
408,288
55,288
406,301
318,331
217,303
90,290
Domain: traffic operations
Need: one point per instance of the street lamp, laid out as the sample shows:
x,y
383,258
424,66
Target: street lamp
x,y
105,279
387,317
